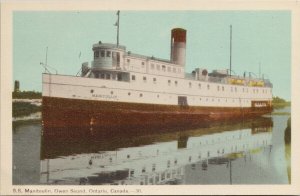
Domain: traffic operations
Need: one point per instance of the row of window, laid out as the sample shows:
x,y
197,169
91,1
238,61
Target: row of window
x,y
219,88
200,99
158,67
102,53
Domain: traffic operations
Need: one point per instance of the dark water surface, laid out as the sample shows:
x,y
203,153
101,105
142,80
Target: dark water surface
x,y
249,152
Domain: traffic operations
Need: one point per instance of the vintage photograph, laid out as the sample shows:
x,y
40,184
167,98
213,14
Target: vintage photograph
x,y
150,97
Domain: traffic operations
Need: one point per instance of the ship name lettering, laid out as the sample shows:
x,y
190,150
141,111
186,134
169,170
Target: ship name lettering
x,y
105,96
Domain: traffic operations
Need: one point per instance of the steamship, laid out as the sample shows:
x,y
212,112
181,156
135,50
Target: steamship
x,y
122,89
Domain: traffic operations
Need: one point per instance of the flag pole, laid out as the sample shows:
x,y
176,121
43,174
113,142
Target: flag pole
x,y
230,50
118,22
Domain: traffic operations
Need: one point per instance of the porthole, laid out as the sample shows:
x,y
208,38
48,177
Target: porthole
x,y
92,90
141,95
112,92
129,93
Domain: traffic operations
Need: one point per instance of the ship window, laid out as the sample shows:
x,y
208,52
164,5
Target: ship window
x,y
102,76
108,53
129,93
222,88
157,96
163,176
144,78
169,82
208,87
218,88
108,76
176,83
163,68
169,69
133,77
190,84
199,85
102,53
152,66
131,172
141,95
143,63
112,92
128,60
190,158
96,54
153,167
154,80
158,67
128,156
92,90
143,170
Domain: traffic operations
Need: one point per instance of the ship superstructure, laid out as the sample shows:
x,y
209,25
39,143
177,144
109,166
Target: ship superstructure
x,y
120,83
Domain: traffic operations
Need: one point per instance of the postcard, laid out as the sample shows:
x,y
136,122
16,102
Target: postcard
x,y
149,97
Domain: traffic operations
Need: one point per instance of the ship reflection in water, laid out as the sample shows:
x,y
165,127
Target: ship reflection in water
x,y
209,155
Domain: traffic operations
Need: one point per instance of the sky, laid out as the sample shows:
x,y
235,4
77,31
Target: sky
x,y
259,39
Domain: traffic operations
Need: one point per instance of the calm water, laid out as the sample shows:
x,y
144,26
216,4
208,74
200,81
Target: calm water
x,y
250,152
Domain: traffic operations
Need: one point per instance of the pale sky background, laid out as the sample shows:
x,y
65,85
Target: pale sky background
x,y
259,37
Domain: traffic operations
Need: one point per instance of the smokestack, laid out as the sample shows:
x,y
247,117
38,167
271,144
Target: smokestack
x,y
178,45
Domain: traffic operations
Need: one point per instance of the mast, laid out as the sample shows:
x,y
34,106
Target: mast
x,y
46,55
230,50
118,27
259,74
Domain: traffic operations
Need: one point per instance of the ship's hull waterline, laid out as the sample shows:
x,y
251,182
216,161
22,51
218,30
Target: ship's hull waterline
x,y
121,116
